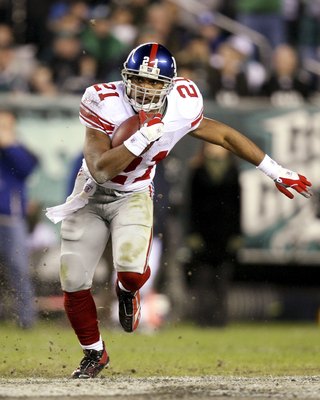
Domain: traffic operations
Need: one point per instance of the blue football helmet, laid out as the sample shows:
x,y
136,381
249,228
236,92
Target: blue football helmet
x,y
152,61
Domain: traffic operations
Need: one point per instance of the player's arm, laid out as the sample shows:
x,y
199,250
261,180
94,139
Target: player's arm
x,y
104,162
218,133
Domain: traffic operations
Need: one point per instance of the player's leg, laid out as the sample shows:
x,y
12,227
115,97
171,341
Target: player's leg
x,y
131,238
84,237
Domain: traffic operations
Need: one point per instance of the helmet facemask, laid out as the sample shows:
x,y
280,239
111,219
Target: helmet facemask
x,y
145,98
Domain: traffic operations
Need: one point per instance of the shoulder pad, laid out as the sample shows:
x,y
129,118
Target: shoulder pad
x,y
189,100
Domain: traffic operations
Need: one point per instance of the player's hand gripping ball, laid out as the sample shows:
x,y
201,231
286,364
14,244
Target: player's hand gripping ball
x,y
125,130
149,125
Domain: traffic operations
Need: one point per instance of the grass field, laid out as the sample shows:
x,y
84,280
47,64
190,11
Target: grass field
x,y
51,350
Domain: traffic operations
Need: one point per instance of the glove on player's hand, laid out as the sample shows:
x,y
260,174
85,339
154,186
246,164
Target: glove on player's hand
x,y
151,128
290,179
284,178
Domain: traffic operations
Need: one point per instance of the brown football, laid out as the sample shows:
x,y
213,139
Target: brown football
x,y
125,130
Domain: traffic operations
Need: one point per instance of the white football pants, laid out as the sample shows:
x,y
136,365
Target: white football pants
x,y
126,216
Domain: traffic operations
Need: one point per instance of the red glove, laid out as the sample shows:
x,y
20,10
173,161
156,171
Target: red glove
x,y
284,178
151,127
290,179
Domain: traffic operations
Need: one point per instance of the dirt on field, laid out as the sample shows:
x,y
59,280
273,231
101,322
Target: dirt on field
x,y
164,388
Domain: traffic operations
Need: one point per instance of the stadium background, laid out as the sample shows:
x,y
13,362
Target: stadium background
x,y
279,261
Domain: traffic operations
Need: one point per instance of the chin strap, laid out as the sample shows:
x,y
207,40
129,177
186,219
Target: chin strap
x,y
58,213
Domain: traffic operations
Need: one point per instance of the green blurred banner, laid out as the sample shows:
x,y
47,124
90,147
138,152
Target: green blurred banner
x,y
277,229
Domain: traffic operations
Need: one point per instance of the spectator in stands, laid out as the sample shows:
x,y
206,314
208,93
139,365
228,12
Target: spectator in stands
x,y
64,59
232,73
74,167
16,62
265,17
86,76
196,55
68,16
41,82
210,31
163,19
6,36
287,85
214,218
16,164
41,238
226,76
146,35
123,27
99,42
138,10
309,30
292,11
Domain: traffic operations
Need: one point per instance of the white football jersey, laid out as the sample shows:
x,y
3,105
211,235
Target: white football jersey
x,y
103,107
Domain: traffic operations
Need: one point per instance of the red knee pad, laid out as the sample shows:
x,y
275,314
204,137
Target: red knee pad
x,y
133,281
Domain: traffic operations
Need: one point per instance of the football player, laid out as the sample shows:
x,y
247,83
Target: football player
x,y
113,191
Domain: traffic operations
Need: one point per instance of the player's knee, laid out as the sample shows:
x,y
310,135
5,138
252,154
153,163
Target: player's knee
x,y
73,276
132,280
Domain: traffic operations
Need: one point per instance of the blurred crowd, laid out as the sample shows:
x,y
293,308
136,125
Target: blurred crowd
x,y
63,46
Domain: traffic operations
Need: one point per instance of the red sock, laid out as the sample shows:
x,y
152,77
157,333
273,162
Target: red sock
x,y
82,313
132,280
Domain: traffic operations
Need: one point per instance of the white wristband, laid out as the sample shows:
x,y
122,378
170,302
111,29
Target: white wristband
x,y
136,143
270,167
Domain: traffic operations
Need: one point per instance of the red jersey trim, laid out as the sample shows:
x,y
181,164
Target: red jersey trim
x,y
197,120
90,116
148,251
90,122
